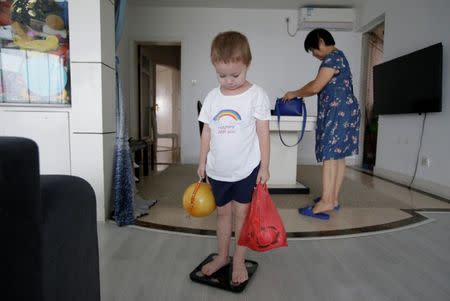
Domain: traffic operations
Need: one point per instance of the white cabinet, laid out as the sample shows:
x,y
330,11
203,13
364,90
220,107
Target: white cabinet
x,y
49,129
283,159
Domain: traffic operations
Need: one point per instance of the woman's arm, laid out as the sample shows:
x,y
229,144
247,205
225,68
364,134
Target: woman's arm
x,y
262,130
324,75
204,149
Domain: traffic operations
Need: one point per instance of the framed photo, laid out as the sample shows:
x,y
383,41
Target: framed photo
x,y
34,52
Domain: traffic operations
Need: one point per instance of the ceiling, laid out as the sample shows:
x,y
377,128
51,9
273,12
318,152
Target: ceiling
x,y
253,4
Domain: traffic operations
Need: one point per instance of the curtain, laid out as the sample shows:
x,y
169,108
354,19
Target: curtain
x,y
123,181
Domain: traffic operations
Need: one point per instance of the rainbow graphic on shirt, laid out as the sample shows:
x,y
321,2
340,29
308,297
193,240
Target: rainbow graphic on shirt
x,y
227,113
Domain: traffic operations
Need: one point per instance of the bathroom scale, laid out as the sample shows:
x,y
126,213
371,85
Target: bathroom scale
x,y
222,277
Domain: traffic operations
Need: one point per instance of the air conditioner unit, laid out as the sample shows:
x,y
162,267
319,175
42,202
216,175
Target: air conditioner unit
x,y
339,19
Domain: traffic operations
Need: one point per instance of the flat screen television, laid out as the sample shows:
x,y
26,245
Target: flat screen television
x,y
411,83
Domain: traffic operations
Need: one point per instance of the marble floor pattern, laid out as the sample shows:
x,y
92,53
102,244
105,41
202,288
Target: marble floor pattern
x,y
368,205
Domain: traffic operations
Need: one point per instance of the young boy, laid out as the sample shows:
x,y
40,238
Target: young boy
x,y
234,148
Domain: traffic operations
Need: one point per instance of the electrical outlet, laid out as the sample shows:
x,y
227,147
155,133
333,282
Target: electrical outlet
x,y
426,161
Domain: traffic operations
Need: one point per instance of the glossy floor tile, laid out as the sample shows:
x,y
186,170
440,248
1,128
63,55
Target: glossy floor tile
x,y
368,205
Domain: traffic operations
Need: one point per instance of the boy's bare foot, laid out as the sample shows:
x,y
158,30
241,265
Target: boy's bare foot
x,y
321,206
240,273
214,265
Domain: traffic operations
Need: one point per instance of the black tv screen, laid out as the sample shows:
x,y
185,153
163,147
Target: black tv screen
x,y
409,84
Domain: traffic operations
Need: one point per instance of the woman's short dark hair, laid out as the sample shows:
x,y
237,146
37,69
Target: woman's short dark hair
x,y
313,37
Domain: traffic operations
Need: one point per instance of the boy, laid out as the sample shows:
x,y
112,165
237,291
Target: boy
x,y
235,147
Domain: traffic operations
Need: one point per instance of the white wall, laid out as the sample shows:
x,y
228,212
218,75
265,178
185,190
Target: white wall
x,y
411,25
49,128
279,61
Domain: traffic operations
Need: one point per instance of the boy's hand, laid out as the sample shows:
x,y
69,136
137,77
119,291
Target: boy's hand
x,y
263,176
201,171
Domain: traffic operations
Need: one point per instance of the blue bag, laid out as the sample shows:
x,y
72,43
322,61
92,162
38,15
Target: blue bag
x,y
293,107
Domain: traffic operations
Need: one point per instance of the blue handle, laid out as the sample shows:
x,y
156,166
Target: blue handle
x,y
304,114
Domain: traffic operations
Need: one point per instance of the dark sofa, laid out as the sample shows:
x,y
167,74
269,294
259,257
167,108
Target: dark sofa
x,y
48,230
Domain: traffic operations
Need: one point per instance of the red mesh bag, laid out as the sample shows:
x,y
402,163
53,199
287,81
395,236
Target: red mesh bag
x,y
263,228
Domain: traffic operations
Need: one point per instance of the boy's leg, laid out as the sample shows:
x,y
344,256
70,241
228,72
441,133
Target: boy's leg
x,y
339,180
240,273
224,228
329,172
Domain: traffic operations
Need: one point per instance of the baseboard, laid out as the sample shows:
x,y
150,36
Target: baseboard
x,y
433,188
392,175
419,184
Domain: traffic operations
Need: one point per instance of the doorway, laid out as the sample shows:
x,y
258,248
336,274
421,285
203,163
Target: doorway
x,y
167,115
374,40
160,101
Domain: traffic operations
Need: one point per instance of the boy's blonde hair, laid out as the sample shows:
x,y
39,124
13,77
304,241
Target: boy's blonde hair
x,y
230,46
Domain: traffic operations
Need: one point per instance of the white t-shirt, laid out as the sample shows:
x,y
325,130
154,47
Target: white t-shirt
x,y
234,147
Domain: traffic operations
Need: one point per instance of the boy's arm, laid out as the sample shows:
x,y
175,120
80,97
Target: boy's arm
x,y
262,130
204,149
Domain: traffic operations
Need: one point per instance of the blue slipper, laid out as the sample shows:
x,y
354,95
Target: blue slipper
x,y
308,211
317,199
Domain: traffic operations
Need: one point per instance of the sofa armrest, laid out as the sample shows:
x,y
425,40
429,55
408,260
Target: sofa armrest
x,y
70,244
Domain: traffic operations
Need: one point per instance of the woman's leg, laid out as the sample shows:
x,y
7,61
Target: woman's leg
x,y
329,173
239,270
339,179
224,228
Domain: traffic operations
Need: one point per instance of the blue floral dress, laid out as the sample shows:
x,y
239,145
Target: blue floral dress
x,y
338,114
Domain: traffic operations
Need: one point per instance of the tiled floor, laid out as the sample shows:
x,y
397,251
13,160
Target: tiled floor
x,y
369,205
142,264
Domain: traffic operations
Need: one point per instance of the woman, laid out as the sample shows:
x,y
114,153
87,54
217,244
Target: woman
x,y
338,118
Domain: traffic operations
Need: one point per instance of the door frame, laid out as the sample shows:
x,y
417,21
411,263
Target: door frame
x,y
150,72
364,30
134,104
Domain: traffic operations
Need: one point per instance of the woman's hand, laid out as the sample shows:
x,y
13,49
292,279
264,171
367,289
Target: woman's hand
x,y
201,171
289,95
263,176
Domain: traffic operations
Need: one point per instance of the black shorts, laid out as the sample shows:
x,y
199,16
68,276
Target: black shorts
x,y
240,191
